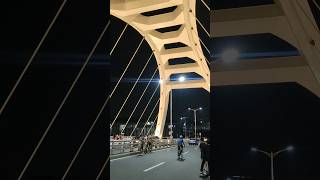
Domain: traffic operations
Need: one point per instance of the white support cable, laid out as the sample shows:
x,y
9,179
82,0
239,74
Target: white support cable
x,y
205,30
144,110
207,60
125,70
149,116
202,26
35,52
102,168
128,96
152,124
64,100
141,96
207,51
205,4
204,46
118,39
107,160
317,5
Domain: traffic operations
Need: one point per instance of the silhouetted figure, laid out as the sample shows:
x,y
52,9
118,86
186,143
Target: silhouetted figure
x,y
180,148
204,157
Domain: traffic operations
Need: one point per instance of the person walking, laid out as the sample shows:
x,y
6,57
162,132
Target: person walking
x,y
204,158
207,151
141,144
180,148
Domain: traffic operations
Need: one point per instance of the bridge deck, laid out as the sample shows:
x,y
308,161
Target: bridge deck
x,y
159,165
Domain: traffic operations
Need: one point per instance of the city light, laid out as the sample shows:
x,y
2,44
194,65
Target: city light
x,y
160,81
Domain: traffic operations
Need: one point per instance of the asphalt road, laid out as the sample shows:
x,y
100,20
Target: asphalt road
x,y
159,165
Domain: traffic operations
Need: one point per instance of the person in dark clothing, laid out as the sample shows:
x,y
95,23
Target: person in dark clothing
x,y
180,148
204,157
207,150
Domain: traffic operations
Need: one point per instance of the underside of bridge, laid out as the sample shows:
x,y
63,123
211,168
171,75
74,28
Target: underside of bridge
x,y
291,21
170,28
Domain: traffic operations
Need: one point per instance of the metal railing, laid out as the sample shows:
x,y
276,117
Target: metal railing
x,y
130,146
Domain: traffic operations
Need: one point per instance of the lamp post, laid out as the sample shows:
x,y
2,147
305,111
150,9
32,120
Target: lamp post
x,y
272,155
195,119
185,126
180,79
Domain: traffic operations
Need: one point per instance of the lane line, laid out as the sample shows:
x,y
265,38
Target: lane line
x,y
186,152
146,170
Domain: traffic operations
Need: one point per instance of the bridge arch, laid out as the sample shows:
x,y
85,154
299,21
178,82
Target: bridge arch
x,y
163,22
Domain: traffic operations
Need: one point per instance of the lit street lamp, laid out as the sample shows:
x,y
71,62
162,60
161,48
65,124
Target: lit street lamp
x,y
272,155
181,79
195,119
185,126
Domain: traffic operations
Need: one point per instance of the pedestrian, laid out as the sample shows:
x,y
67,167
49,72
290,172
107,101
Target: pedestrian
x,y
149,145
204,159
141,144
207,151
145,147
180,148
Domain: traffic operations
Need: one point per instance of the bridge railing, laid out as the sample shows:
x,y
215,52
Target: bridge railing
x,y
131,146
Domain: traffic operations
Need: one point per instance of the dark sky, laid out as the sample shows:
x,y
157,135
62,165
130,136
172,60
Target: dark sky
x,y
270,117
47,81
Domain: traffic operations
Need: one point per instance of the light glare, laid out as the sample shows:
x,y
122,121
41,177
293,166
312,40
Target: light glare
x,y
230,55
182,78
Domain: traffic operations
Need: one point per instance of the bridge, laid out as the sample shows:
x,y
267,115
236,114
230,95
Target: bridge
x,y
171,29
161,164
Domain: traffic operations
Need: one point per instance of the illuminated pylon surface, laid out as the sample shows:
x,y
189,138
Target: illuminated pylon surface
x,y
142,15
290,20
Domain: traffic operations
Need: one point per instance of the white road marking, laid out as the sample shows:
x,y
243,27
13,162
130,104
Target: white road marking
x,y
122,158
186,152
146,170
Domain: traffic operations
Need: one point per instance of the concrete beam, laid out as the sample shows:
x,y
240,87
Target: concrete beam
x,y
253,12
277,26
300,74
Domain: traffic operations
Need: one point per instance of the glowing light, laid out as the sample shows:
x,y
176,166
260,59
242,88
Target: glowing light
x,y
230,55
254,149
290,148
182,78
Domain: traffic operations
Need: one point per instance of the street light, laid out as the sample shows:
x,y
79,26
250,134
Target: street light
x,y
272,155
185,126
195,119
182,78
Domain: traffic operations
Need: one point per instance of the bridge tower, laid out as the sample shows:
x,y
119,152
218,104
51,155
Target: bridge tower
x,y
164,15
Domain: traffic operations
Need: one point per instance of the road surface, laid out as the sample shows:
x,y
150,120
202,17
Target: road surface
x,y
159,165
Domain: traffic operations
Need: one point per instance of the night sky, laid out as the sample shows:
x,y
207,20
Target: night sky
x,y
270,117
47,81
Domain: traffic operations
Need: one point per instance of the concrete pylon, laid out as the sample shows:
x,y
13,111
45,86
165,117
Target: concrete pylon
x,y
183,14
289,20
